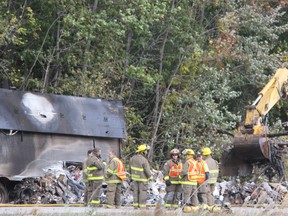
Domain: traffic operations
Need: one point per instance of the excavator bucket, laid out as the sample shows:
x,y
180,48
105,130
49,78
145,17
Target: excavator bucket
x,y
248,149
252,144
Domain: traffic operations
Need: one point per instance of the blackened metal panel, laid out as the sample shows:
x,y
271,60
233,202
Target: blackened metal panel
x,y
59,114
30,154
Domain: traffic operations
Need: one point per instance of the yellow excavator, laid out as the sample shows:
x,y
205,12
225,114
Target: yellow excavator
x,y
252,142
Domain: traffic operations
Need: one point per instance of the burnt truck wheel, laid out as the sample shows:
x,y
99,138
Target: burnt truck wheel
x,y
3,194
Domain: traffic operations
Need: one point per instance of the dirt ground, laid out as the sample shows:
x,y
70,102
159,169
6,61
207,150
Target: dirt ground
x,y
129,211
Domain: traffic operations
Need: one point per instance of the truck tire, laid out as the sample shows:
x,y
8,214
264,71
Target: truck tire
x,y
3,194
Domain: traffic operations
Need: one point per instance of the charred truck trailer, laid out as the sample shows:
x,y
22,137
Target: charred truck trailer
x,y
39,130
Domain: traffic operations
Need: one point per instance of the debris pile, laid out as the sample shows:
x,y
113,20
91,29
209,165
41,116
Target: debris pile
x,y
249,193
56,186
64,185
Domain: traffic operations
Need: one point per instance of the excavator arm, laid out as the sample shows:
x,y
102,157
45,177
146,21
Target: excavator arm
x,y
251,143
274,90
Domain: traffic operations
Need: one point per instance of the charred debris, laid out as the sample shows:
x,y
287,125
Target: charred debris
x,y
63,184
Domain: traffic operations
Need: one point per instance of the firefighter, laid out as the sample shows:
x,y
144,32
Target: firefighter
x,y
95,172
202,180
171,171
114,175
140,175
85,177
189,176
214,172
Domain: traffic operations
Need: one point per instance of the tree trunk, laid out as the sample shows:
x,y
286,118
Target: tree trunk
x,y
88,45
156,114
128,45
158,118
58,67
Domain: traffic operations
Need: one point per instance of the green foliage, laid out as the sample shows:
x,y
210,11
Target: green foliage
x,y
184,70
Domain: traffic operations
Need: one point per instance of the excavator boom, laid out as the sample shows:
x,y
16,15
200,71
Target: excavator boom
x,y
274,90
252,143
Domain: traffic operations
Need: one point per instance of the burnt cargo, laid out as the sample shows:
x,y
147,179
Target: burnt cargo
x,y
38,130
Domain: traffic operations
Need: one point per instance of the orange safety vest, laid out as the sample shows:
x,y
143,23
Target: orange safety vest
x,y
175,170
120,169
202,171
193,172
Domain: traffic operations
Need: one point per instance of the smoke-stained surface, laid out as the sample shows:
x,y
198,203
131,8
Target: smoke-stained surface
x,y
27,154
38,130
59,114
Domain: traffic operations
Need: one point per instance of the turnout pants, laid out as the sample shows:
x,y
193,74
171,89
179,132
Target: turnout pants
x,y
113,194
202,193
190,195
210,197
94,192
173,195
139,193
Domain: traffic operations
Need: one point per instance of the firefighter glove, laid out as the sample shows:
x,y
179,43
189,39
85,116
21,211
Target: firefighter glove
x,y
207,175
168,183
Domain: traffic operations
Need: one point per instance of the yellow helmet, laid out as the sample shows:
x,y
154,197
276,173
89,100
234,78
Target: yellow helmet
x,y
206,151
188,152
142,148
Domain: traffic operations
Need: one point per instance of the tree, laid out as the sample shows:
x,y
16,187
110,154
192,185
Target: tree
x,y
185,70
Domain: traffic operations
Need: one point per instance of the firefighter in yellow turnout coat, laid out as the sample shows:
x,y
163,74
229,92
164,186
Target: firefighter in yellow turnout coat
x,y
114,175
214,172
85,176
140,175
171,171
95,176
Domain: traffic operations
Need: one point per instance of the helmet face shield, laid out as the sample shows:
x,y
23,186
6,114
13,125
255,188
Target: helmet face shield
x,y
188,152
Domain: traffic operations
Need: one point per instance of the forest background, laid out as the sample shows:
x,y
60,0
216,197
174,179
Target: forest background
x,y
184,69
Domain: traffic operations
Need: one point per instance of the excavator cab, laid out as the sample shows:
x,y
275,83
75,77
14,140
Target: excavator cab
x,y
252,142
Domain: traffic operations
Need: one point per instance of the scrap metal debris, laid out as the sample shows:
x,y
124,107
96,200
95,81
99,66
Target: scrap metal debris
x,y
64,185
56,186
250,193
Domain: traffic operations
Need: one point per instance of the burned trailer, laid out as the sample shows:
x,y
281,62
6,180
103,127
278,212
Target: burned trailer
x,y
39,130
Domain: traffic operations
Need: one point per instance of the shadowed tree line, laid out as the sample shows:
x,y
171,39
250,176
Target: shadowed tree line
x,y
185,70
